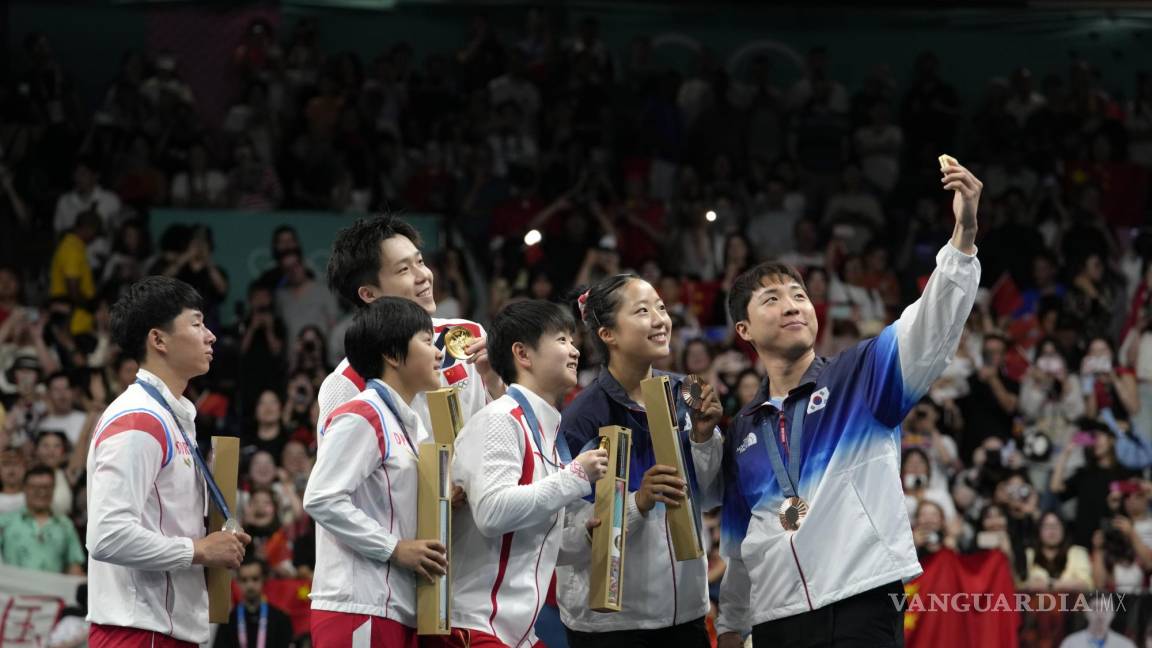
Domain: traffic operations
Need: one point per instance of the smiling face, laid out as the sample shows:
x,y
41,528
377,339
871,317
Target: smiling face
x,y
402,274
554,361
781,320
643,328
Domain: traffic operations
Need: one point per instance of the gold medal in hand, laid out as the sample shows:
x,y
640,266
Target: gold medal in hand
x,y
456,342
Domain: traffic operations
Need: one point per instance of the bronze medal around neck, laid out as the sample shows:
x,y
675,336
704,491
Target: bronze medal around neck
x,y
793,510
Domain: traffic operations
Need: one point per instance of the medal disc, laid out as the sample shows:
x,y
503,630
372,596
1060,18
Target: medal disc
x,y
456,340
792,513
692,391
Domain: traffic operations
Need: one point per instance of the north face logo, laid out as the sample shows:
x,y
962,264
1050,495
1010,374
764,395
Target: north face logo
x,y
818,400
748,442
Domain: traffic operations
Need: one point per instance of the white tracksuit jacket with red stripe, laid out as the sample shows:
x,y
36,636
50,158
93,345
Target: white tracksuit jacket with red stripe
x,y
362,494
505,543
146,504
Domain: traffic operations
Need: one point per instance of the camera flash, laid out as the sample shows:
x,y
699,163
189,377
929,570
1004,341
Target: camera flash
x,y
532,237
710,216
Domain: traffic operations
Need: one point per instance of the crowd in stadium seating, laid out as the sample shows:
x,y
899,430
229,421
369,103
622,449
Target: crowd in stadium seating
x,y
1036,441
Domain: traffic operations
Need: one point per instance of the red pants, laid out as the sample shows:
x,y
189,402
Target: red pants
x,y
466,639
344,630
105,636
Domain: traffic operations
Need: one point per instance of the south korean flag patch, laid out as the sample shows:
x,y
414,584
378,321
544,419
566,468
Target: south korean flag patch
x,y
818,400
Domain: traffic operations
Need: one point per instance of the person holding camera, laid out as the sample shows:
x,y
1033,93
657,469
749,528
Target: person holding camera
x,y
262,363
1055,564
1120,557
916,473
1090,484
930,530
993,397
992,533
922,430
1107,385
1051,396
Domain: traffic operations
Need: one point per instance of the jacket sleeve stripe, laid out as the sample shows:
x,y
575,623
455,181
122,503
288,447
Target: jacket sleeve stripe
x,y
143,421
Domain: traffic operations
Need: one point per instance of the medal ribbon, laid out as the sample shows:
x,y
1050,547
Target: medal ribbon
x,y
242,627
213,489
788,477
561,448
386,396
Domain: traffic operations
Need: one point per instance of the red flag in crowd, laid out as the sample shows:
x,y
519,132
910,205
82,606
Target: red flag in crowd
x,y
962,602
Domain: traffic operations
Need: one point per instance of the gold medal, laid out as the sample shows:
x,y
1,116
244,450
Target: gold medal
x,y
692,391
792,513
456,340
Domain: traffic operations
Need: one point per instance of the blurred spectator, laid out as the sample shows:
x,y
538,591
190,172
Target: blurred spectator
x,y
992,532
310,354
199,185
86,196
916,473
71,277
992,398
253,617
165,84
52,451
263,473
36,538
930,533
195,266
773,221
128,263
1051,397
10,298
302,301
1091,299
1088,485
262,347
879,145
13,465
268,434
284,240
300,396
62,414
1107,385
922,430
252,184
297,464
15,217
1097,635
140,183
1055,564
25,406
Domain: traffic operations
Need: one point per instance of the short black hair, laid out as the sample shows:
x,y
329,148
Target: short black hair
x,y
525,322
355,259
152,302
601,302
383,329
751,280
59,374
39,471
251,558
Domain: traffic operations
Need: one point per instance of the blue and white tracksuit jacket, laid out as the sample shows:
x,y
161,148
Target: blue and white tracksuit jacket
x,y
856,536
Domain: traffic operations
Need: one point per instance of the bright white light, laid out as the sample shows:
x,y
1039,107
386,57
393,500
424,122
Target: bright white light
x,y
710,216
532,237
